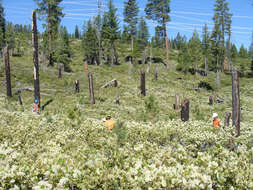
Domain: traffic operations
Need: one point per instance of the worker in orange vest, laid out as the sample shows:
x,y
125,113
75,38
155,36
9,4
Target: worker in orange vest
x,y
216,121
36,106
108,122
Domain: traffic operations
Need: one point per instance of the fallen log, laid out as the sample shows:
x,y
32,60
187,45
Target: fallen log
x,y
113,81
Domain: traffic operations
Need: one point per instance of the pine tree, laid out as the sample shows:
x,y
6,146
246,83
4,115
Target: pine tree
x,y
158,10
2,26
222,25
159,36
63,54
51,12
10,37
184,59
142,37
243,53
77,33
90,45
206,45
251,48
195,50
131,11
234,52
110,30
125,36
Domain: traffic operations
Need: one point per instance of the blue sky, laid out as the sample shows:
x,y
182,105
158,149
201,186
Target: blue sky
x,y
186,15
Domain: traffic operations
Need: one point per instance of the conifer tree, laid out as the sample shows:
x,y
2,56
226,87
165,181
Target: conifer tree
x,y
110,30
51,12
131,11
205,44
158,10
195,50
2,26
77,33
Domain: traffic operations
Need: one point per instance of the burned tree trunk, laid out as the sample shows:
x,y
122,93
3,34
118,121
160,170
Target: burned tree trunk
x,y
92,98
7,71
210,100
20,100
156,73
35,58
185,109
217,80
143,89
177,102
117,100
236,101
227,118
206,67
77,89
60,72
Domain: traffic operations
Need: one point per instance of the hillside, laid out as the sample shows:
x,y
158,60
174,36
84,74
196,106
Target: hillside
x,y
67,145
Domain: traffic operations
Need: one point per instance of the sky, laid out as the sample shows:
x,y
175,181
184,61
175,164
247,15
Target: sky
x,y
186,15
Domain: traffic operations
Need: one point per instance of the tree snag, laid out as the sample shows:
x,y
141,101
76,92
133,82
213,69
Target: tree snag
x,y
185,109
7,71
35,57
143,90
177,102
227,118
92,98
236,111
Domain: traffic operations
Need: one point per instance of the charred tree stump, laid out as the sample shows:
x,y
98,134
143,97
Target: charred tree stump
x,y
185,109
143,89
210,100
35,58
115,83
227,118
7,71
156,73
236,111
60,72
117,100
20,100
77,89
177,102
92,98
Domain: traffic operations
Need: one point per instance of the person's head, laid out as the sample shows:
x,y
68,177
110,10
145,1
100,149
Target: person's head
x,y
36,101
108,117
215,116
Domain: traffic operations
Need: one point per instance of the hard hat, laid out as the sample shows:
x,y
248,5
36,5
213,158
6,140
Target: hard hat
x,y
36,101
215,115
103,119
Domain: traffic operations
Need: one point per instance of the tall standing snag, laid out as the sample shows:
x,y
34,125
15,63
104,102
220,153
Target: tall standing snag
x,y
143,90
7,71
185,109
236,101
177,102
35,57
227,118
92,98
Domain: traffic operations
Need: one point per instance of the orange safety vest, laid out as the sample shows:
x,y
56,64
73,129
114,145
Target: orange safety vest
x,y
216,123
35,107
109,123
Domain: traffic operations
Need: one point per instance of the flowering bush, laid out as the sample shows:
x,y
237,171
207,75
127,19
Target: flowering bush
x,y
38,154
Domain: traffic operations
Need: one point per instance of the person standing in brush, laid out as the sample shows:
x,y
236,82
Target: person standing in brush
x,y
216,121
108,122
36,106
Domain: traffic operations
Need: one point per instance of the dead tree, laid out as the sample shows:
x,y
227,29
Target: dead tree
x,y
236,111
60,71
156,73
20,100
177,102
143,89
92,98
113,81
35,57
210,100
227,118
185,109
77,89
218,80
206,67
7,71
117,100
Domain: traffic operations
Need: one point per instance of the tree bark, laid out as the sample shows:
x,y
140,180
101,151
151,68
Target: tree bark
x,y
185,109
92,98
60,72
112,55
236,111
217,80
177,102
50,37
7,71
210,100
229,53
117,100
20,100
206,67
143,90
77,89
167,45
227,118
132,44
35,58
